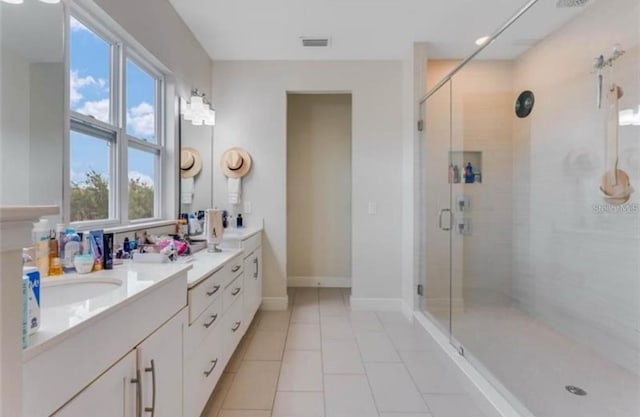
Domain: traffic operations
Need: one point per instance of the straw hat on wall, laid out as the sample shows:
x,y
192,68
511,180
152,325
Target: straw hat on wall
x,y
190,162
235,162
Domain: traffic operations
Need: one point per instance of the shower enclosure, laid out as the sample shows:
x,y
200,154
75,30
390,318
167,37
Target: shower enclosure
x,y
530,223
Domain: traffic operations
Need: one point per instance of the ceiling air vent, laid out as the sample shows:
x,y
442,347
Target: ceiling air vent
x,y
315,41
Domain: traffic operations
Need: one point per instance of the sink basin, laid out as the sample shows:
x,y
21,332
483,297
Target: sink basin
x,y
63,291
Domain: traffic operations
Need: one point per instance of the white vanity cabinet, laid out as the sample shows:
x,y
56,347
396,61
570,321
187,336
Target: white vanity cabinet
x,y
111,395
216,319
147,381
252,276
159,360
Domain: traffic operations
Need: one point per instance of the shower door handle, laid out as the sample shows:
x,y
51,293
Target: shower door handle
x,y
446,229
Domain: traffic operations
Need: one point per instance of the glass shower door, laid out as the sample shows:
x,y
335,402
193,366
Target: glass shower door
x,y
436,206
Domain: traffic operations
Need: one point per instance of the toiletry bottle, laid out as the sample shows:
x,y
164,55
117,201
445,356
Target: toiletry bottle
x,y
456,174
25,312
41,235
60,235
107,262
468,174
451,173
55,267
239,221
71,249
225,219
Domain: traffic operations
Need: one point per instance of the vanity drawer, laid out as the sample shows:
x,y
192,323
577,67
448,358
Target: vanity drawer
x,y
235,266
252,243
232,293
202,295
202,326
202,372
232,327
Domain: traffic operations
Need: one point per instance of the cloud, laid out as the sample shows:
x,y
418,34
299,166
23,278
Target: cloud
x,y
143,178
78,177
80,83
76,26
141,121
98,109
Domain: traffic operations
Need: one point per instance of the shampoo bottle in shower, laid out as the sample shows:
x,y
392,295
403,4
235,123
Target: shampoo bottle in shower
x,y
468,174
451,173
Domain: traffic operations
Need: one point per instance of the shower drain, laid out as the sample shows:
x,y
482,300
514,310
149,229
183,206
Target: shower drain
x,y
575,390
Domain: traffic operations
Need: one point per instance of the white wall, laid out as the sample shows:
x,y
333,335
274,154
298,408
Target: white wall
x,y
575,267
14,133
46,127
482,110
250,100
319,188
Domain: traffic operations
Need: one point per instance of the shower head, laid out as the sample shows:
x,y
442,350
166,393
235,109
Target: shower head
x,y
571,3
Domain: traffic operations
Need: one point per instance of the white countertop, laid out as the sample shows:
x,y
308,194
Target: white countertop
x,y
205,263
61,322
232,233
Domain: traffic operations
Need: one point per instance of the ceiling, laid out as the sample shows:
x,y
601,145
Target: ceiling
x,y
362,29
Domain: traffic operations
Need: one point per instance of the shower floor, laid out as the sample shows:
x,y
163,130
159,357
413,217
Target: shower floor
x,y
535,363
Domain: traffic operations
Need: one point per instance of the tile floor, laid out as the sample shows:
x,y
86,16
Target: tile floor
x,y
320,359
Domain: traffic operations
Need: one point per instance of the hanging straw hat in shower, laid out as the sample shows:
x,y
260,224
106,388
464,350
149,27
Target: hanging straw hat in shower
x,y
235,162
190,162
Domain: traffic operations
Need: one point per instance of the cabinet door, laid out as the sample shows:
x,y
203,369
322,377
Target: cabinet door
x,y
258,255
111,395
160,364
249,287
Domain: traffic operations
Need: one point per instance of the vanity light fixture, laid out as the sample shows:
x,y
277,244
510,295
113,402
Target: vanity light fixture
x,y
483,40
198,110
22,1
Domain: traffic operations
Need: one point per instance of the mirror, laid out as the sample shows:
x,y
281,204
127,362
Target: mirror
x,y
32,111
196,192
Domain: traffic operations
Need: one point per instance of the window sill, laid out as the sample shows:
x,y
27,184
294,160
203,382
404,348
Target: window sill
x,y
139,226
115,228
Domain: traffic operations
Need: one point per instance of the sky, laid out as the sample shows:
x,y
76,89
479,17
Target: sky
x,y
90,91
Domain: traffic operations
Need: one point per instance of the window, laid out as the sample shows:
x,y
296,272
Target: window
x,y
115,139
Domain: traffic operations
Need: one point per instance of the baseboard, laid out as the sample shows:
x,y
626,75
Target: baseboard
x,y
330,282
274,303
376,304
407,311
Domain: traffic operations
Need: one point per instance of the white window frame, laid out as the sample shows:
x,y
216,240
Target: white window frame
x,y
120,51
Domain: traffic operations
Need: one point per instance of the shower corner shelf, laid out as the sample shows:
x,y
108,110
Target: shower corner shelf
x,y
462,158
